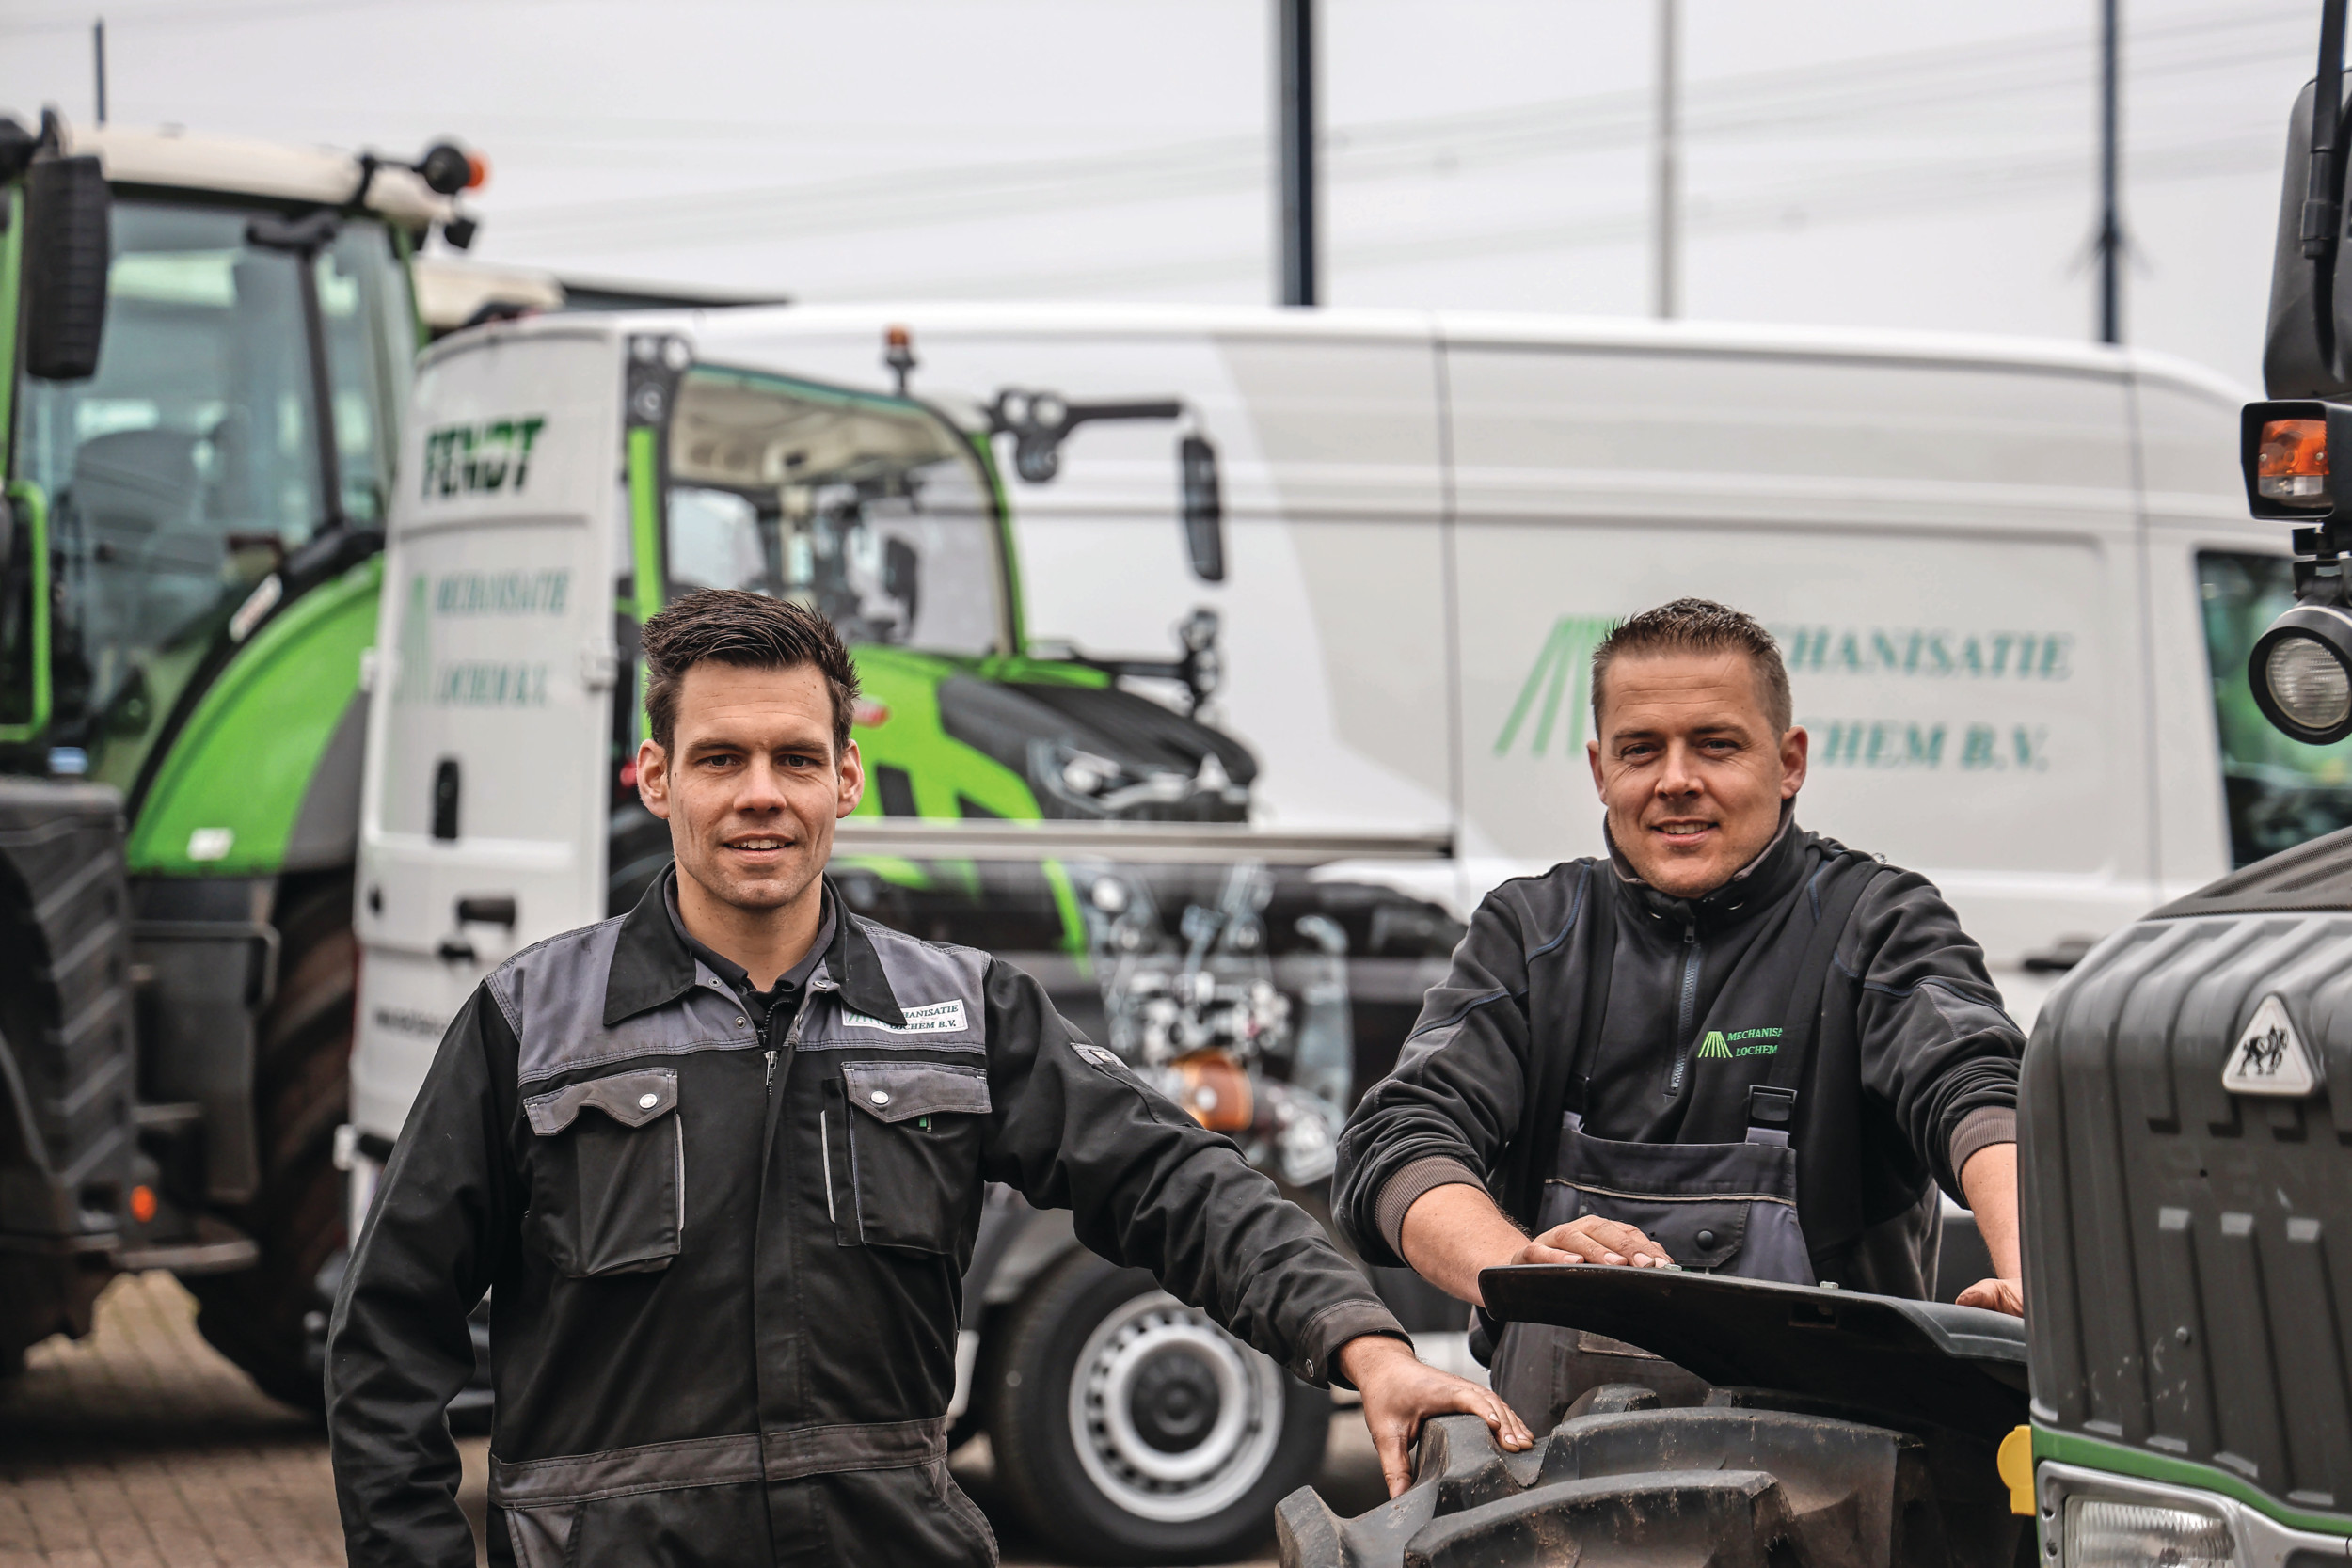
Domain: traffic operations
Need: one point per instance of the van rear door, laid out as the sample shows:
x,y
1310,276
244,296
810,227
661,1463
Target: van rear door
x,y
482,827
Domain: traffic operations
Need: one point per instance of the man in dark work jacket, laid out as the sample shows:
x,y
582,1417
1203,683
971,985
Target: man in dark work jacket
x,y
1777,1018
719,1164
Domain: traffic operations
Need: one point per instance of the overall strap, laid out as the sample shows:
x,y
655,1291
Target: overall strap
x,y
1772,1104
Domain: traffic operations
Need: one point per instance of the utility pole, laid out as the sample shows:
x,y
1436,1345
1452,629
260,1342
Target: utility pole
x,y
98,63
2110,175
1666,221
1301,270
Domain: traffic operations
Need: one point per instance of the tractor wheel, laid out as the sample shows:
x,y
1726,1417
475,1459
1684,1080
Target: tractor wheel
x,y
1127,1428
302,1069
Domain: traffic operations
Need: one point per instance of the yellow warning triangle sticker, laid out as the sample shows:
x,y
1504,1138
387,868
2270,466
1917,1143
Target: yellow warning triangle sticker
x,y
2271,1057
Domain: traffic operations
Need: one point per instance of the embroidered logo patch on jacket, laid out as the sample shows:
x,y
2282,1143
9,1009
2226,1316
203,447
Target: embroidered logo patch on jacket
x,y
937,1018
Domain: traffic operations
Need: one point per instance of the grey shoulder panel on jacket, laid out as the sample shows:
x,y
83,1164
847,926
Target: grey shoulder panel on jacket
x,y
552,996
563,967
926,964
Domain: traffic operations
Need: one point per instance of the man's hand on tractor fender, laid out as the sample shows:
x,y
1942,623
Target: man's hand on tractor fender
x,y
1594,1239
2000,1295
1401,1391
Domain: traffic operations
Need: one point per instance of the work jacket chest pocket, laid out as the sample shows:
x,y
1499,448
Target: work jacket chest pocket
x,y
902,1148
608,1174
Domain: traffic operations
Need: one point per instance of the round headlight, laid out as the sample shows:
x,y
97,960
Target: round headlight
x,y
2301,672
2312,690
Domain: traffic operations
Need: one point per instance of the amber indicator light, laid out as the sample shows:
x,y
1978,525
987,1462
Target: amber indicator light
x,y
2291,464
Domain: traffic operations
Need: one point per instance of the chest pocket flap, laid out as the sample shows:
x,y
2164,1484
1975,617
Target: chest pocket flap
x,y
901,1091
608,1191
631,1099
909,1168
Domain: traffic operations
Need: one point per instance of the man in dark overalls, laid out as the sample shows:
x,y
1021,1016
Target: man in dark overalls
x,y
1730,1045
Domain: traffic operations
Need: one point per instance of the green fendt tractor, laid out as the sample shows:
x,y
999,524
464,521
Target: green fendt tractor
x,y
209,343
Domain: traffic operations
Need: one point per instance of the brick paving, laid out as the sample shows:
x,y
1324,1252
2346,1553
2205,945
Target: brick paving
x,y
139,1446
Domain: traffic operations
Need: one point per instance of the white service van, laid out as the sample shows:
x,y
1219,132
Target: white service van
x,y
1218,661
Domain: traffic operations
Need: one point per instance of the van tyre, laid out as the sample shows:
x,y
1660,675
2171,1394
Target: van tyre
x,y
1127,1428
301,1078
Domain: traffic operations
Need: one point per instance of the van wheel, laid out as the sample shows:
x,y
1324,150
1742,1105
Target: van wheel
x,y
1127,1428
302,1071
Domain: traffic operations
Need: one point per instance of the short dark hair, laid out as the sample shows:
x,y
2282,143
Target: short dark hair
x,y
1700,626
751,632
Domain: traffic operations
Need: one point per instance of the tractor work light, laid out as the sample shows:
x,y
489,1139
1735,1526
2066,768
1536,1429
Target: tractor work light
x,y
2301,673
2101,1534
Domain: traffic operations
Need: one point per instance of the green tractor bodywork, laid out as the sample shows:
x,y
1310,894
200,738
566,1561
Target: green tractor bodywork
x,y
242,767
200,459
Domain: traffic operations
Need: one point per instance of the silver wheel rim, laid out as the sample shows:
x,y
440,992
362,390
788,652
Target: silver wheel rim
x,y
1149,1482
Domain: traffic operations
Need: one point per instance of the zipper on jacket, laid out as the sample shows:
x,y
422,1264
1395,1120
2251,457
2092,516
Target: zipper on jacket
x,y
1689,1001
772,1067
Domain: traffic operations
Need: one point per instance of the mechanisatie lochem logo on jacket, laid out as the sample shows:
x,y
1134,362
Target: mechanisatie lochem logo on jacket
x,y
1719,1046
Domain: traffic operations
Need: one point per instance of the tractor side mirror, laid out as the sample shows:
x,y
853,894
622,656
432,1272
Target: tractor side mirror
x,y
1203,507
901,574
2302,353
69,220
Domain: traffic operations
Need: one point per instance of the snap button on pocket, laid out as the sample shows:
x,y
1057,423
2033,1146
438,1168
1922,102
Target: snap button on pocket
x,y
647,1101
1705,1238
880,1097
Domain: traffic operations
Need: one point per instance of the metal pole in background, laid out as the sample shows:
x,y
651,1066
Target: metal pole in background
x,y
1667,241
1297,131
2110,191
98,62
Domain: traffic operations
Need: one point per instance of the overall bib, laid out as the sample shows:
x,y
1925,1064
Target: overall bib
x,y
1716,1207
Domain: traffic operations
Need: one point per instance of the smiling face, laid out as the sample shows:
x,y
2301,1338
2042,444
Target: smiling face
x,y
750,783
1690,767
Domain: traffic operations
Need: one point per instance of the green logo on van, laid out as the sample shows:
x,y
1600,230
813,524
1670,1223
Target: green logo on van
x,y
1719,1046
1561,676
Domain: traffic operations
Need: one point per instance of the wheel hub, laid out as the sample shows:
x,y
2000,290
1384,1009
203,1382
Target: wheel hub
x,y
1173,1400
1173,1419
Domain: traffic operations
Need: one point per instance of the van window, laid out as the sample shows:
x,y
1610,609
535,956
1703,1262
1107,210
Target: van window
x,y
2281,792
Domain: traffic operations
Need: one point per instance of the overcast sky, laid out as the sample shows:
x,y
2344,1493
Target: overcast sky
x,y
1902,164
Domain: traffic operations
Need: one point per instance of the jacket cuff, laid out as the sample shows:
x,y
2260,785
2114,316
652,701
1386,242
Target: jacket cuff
x,y
1980,1130
1405,1188
1334,1326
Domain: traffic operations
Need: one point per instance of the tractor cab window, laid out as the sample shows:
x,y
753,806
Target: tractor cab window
x,y
873,509
190,466
2281,792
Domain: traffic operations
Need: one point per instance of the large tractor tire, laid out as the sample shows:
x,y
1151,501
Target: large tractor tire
x,y
1622,1482
1129,1429
302,1068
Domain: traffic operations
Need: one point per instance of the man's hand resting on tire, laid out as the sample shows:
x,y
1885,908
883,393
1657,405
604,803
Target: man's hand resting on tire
x,y
1401,1391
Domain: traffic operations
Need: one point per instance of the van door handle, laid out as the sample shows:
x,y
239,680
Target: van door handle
x,y
482,908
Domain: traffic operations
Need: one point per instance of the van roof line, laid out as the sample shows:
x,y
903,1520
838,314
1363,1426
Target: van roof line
x,y
1462,328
